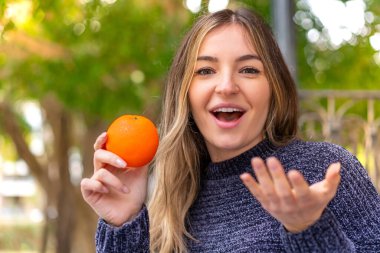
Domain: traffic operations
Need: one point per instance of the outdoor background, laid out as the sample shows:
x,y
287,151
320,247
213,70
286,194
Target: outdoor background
x,y
68,68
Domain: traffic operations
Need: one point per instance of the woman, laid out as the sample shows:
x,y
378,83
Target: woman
x,y
230,105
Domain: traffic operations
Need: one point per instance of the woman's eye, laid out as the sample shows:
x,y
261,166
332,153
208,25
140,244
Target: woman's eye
x,y
204,71
249,71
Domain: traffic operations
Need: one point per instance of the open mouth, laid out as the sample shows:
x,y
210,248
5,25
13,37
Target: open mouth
x,y
228,114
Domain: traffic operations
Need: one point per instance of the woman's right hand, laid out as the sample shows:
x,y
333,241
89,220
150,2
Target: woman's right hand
x,y
115,191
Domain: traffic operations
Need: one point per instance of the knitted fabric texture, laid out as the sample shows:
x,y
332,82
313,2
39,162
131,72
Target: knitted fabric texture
x,y
227,218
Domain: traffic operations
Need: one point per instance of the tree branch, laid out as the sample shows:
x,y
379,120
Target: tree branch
x,y
11,126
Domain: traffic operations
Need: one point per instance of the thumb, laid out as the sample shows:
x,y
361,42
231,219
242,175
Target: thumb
x,y
333,175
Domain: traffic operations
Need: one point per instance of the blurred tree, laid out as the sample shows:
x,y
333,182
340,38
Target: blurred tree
x,y
325,63
85,62
321,62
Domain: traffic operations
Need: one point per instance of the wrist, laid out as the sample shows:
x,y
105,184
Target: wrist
x,y
300,227
129,217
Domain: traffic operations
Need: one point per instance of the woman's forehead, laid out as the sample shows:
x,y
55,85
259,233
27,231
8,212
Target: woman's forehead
x,y
228,35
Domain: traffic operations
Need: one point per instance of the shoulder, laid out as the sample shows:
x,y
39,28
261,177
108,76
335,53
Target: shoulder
x,y
315,150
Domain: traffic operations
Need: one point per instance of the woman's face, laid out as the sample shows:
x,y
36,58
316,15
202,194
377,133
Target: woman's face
x,y
229,93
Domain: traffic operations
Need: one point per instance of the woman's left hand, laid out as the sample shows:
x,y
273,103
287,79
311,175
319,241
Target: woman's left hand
x,y
288,197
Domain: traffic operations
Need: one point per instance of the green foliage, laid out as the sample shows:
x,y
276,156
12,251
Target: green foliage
x,y
2,7
349,66
111,58
259,6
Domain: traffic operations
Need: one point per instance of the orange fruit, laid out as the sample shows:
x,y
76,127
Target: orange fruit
x,y
134,138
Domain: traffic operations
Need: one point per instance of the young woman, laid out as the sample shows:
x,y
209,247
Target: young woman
x,y
230,105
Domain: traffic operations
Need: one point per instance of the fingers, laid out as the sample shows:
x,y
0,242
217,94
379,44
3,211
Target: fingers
x,y
266,186
107,178
252,185
100,141
273,180
273,186
88,185
288,197
103,157
333,173
332,178
101,181
280,180
300,186
262,174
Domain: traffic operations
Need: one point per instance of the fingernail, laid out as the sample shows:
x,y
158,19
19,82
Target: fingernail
x,y
121,163
337,164
125,189
243,177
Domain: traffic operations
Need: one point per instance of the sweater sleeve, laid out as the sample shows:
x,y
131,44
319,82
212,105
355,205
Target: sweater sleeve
x,y
324,236
351,222
132,236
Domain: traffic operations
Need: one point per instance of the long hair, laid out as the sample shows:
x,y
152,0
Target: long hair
x,y
182,149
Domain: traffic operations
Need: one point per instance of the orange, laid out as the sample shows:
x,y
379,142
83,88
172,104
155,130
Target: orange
x,y
134,138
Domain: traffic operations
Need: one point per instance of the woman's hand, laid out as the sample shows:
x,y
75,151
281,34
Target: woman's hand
x,y
115,191
289,198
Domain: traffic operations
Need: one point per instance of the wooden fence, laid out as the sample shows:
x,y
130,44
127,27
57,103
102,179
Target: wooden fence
x,y
350,118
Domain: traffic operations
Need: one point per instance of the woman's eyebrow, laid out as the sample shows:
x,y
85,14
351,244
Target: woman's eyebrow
x,y
207,58
248,57
241,58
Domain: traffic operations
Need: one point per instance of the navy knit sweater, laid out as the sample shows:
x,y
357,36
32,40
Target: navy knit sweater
x,y
227,218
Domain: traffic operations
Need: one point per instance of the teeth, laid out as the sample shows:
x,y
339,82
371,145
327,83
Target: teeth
x,y
227,110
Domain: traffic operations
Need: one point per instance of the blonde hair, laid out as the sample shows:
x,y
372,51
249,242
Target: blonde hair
x,y
182,151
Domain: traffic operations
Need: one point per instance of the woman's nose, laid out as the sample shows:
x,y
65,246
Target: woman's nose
x,y
227,85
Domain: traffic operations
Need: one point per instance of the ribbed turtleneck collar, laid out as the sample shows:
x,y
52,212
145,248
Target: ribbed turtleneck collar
x,y
238,164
